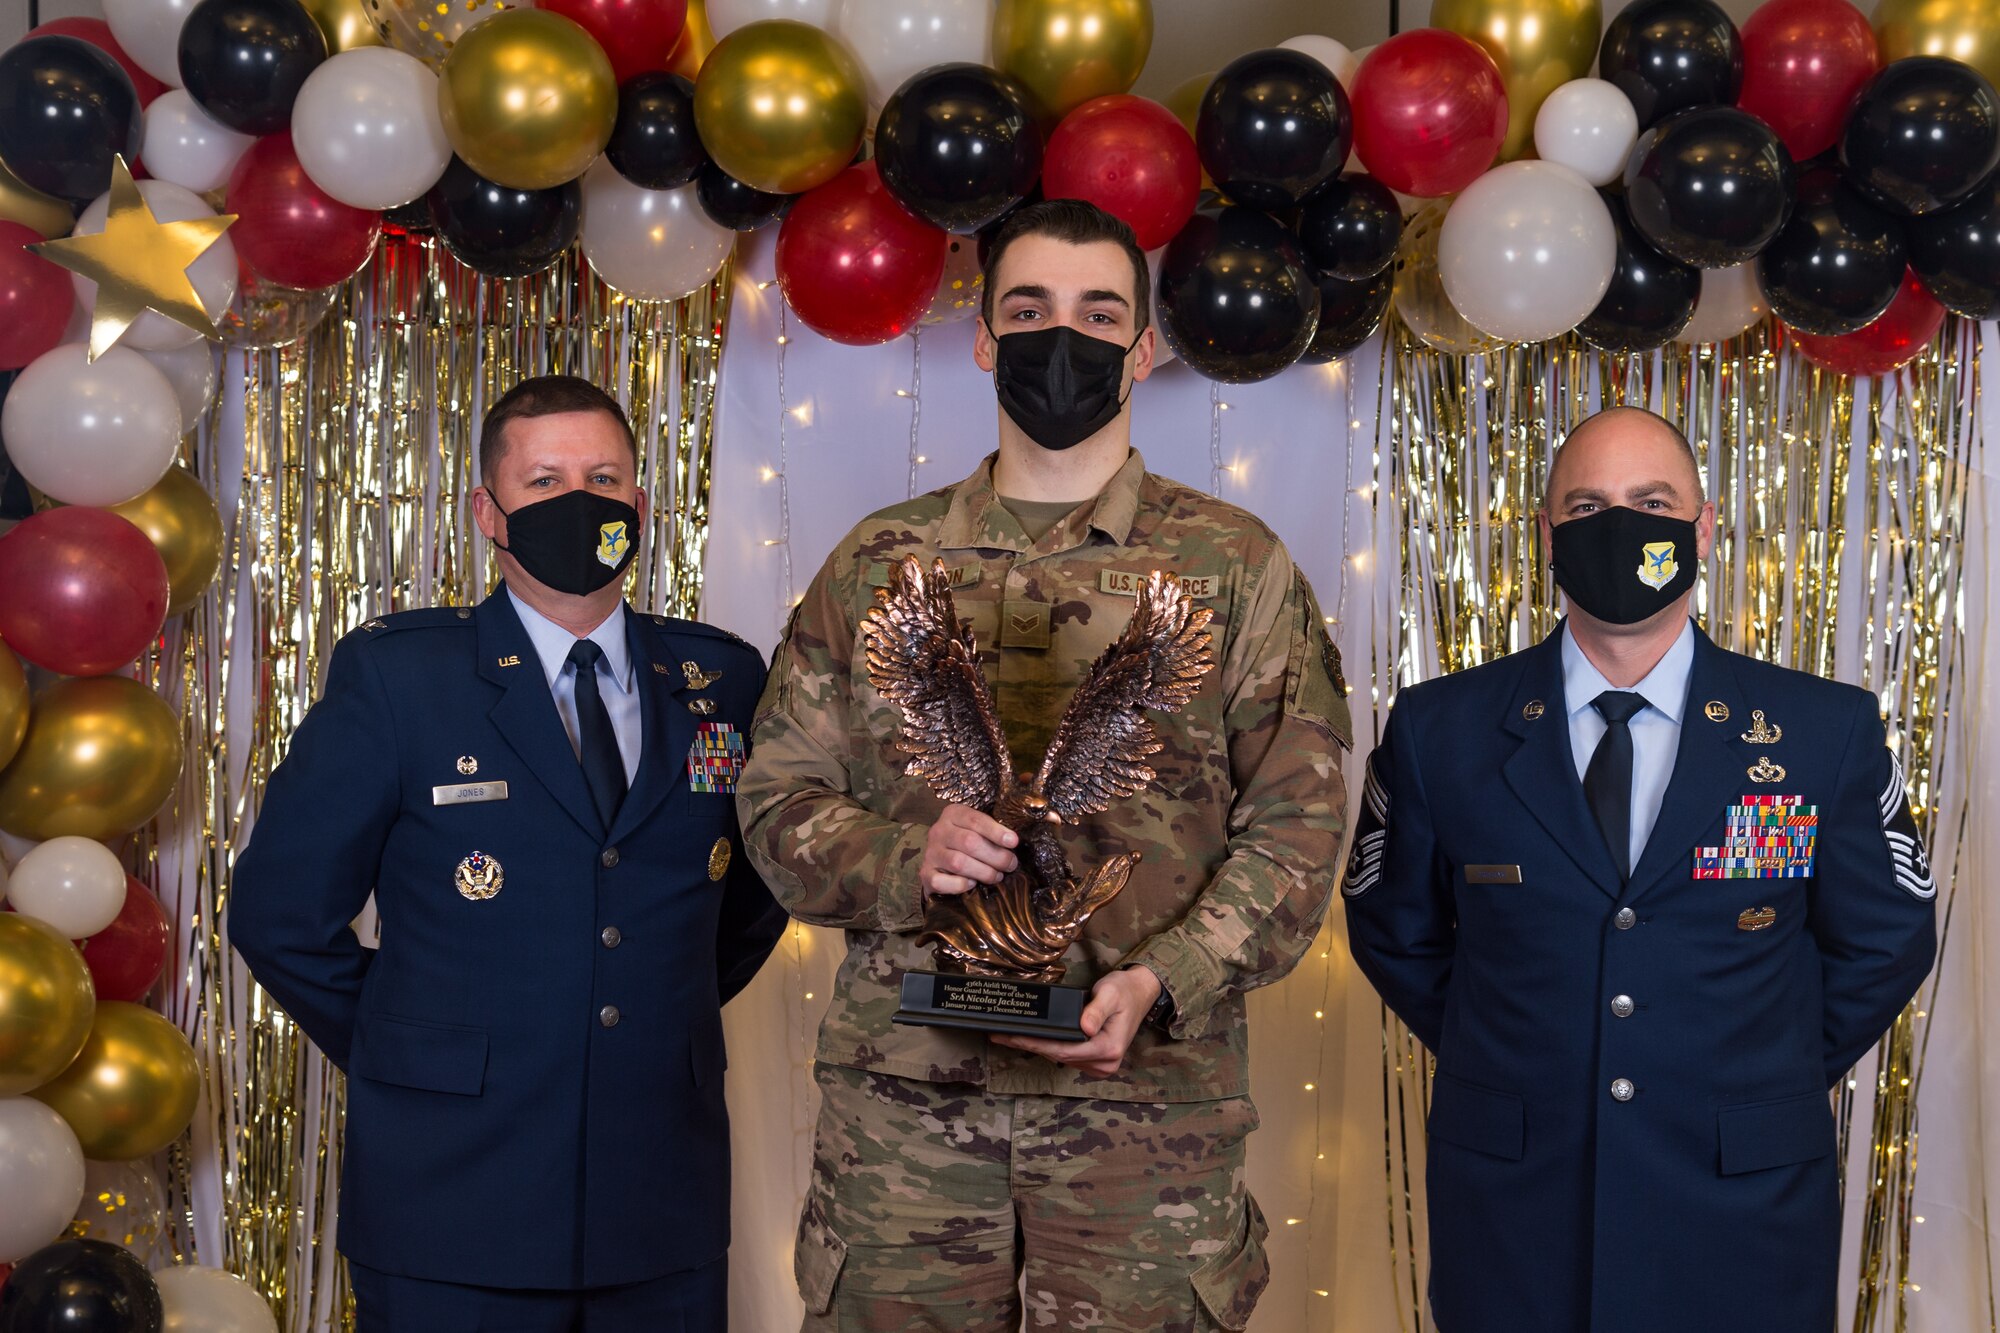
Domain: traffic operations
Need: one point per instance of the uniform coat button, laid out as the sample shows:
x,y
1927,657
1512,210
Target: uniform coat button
x,y
1622,1005
609,858
611,936
1626,918
608,1016
1621,1088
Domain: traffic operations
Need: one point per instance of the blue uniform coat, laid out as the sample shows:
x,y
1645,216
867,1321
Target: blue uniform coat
x,y
503,1128
1706,1197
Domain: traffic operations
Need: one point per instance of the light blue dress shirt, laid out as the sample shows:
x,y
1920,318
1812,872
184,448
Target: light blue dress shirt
x,y
1656,728
552,644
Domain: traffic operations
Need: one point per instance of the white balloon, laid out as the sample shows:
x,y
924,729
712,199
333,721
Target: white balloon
x,y
193,373
214,274
1731,300
41,1177
150,32
654,245
894,39
1588,126
367,128
91,433
1526,251
208,1300
1339,61
185,146
726,16
74,884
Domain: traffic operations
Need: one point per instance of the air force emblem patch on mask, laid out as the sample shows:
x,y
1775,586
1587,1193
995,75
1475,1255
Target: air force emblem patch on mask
x,y
1657,566
612,541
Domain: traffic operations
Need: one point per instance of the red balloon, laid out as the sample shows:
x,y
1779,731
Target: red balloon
x,y
1430,112
127,956
35,298
1132,158
1803,62
82,591
1891,342
638,35
288,230
98,33
856,266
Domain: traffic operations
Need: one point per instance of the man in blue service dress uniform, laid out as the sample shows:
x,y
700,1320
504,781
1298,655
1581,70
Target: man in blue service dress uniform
x,y
540,793
1647,901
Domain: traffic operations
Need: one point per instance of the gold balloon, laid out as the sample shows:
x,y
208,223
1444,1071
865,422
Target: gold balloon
x,y
180,516
528,99
40,213
781,105
1965,30
1419,294
46,1002
428,29
1068,51
13,704
131,1090
100,758
1539,46
346,24
697,39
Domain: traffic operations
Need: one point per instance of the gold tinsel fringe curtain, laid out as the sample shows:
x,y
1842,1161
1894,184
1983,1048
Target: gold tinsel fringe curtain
x,y
343,472
1841,511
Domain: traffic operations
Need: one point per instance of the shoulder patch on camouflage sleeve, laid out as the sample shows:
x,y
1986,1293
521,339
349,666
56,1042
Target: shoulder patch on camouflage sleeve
x,y
1320,691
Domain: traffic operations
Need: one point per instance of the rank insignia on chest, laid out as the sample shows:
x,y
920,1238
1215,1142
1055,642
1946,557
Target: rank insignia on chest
x,y
1764,837
478,877
716,758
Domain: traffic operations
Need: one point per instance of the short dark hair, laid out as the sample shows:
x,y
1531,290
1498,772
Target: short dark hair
x,y
546,396
1078,223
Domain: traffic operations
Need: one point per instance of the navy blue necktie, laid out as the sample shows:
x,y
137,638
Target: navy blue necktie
x,y
597,743
1607,782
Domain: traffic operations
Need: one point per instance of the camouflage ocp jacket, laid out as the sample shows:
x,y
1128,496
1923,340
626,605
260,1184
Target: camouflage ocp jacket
x,y
1240,833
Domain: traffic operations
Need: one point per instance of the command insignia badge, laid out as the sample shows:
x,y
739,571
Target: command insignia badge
x,y
1757,918
1716,710
613,540
718,859
1762,732
697,679
1656,566
1766,771
467,765
478,877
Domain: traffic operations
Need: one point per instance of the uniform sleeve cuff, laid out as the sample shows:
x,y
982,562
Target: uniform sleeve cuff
x,y
899,898
1187,973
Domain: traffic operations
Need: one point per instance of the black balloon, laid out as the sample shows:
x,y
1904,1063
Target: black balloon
x,y
243,61
1957,252
498,230
1669,55
1651,297
654,142
1922,134
957,145
1710,187
1838,262
733,204
66,109
1237,300
412,219
1350,310
80,1286
1350,226
1274,126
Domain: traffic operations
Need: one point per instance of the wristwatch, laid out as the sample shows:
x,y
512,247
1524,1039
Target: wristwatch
x,y
1161,1015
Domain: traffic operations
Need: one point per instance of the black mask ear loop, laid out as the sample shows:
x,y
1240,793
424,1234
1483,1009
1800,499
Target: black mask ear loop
x,y
494,500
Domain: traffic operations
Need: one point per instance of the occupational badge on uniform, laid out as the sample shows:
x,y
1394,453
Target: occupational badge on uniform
x,y
718,860
613,540
1763,837
701,707
716,758
1757,918
1656,565
1766,771
478,877
467,765
697,679
1716,710
1762,732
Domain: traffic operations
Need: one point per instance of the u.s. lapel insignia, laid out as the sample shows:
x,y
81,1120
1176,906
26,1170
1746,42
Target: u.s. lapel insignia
x,y
1532,710
1766,771
1762,732
701,707
1716,710
467,765
697,679
718,860
478,877
1757,918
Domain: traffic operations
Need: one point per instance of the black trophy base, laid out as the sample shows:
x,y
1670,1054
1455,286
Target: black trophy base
x,y
992,1004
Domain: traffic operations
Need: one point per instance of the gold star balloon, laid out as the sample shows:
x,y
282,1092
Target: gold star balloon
x,y
138,263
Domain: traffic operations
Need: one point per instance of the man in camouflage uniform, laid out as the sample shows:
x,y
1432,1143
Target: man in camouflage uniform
x,y
1107,1173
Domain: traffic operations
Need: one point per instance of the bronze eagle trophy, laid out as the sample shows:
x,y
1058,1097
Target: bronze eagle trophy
x,y
925,660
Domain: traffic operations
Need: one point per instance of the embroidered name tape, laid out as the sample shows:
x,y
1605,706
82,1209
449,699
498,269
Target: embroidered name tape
x,y
1125,583
715,760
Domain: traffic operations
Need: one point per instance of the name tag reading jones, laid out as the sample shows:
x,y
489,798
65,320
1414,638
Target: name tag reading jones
x,y
989,995
469,793
1492,874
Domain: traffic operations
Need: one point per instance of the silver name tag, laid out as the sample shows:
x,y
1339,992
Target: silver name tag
x,y
1493,874
467,793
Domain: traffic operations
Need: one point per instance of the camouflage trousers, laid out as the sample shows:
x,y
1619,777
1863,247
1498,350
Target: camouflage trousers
x,y
940,1207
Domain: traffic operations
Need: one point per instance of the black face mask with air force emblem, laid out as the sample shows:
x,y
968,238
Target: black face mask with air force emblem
x,y
575,543
1623,565
1060,386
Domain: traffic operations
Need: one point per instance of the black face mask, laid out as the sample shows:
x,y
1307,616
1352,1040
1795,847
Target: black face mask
x,y
1059,386
1622,565
575,543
